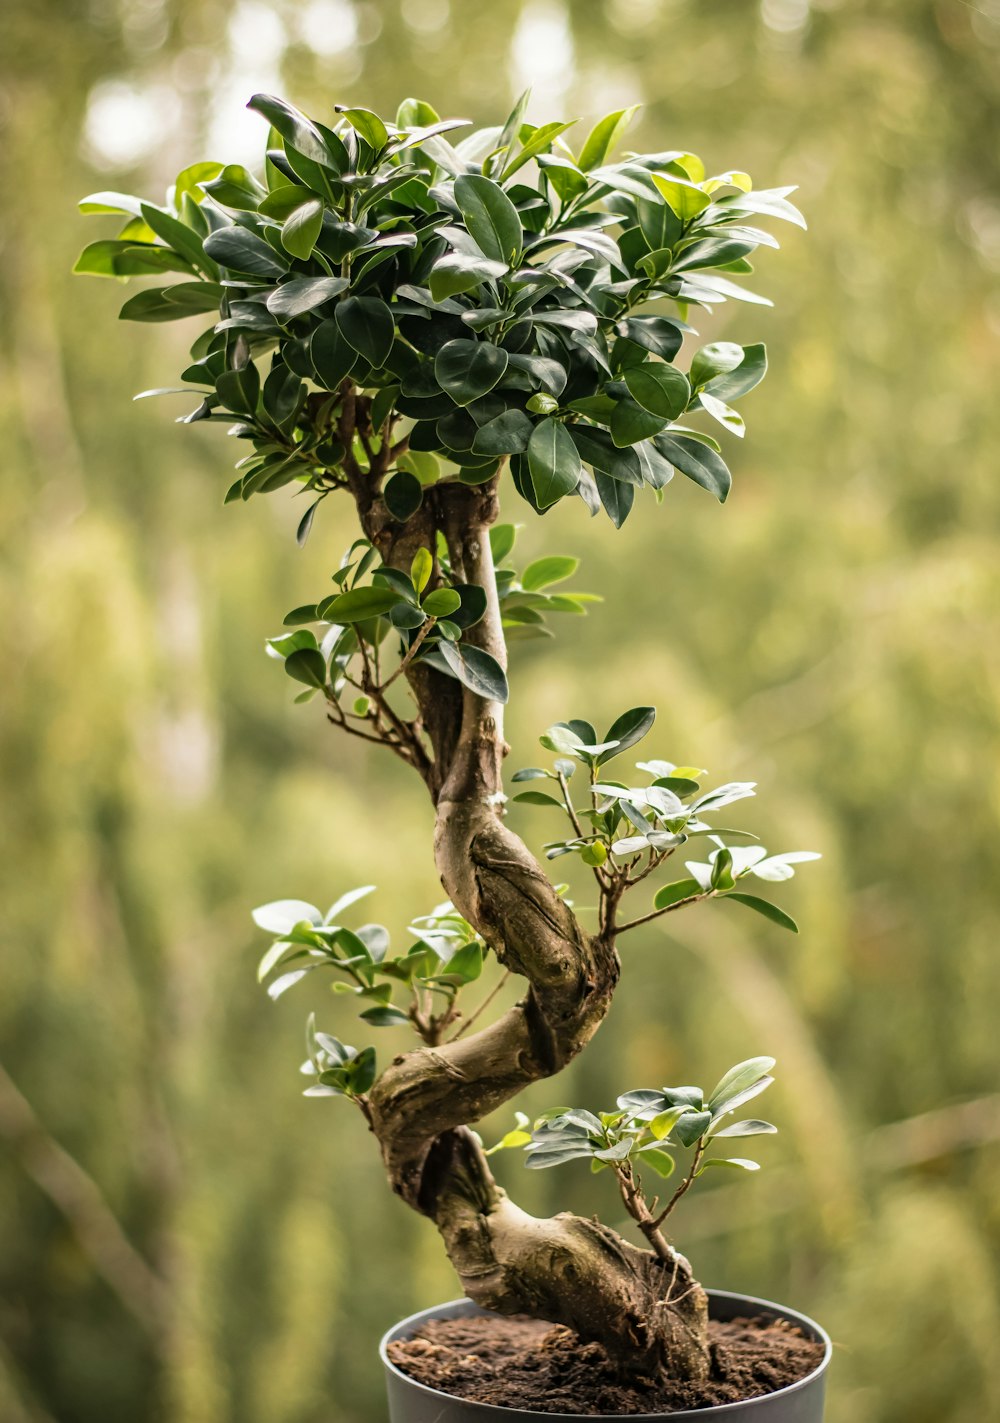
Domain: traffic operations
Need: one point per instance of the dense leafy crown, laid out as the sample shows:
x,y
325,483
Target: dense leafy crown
x,y
502,316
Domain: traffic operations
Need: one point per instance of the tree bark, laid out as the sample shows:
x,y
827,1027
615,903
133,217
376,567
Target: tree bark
x,y
648,1312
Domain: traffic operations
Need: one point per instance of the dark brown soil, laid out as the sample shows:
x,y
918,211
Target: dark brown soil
x,y
525,1363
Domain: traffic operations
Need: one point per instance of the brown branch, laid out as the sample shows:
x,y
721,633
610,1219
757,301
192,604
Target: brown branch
x,y
658,913
490,998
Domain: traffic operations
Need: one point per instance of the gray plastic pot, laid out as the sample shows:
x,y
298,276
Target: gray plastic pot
x,y
802,1402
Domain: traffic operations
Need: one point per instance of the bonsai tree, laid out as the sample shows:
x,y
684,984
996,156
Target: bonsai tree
x,y
426,326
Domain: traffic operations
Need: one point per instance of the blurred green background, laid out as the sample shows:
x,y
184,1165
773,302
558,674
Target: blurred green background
x,y
183,1238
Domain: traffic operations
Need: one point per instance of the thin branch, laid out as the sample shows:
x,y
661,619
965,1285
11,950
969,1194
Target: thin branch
x,y
483,1006
570,809
411,652
684,1186
657,913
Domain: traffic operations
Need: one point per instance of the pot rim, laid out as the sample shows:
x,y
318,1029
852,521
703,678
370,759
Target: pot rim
x,y
705,1415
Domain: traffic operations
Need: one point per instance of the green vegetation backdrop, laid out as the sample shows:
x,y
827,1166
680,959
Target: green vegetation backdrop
x,y
183,1237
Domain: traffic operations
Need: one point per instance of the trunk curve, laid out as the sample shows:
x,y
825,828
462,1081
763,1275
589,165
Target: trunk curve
x,y
649,1313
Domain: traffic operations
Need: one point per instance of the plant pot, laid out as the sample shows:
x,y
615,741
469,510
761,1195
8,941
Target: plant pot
x,y
801,1402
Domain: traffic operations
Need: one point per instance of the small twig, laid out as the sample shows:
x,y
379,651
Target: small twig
x,y
656,913
684,1186
411,652
570,809
470,1021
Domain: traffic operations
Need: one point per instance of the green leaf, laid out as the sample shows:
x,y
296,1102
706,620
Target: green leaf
x,y
765,907
384,1015
469,369
630,423
502,537
713,360
367,324
687,200
736,1081
361,603
691,1125
476,669
243,251
441,602
421,569
545,571
674,893
727,417
303,294
295,128
603,136
332,355
538,798
553,462
748,1128
627,730
368,125
697,461
302,227
461,272
739,1162
594,854
403,495
115,258
465,965
616,497
505,434
661,1161
749,373
307,665
659,388
491,218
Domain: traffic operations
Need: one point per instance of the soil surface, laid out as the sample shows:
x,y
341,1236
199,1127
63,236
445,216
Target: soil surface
x,y
526,1363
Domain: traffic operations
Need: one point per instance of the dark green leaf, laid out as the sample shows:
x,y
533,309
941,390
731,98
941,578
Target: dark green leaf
x,y
765,907
491,217
333,357
691,1126
616,497
697,461
659,388
461,272
627,730
750,372
480,672
366,322
553,462
469,369
506,434
307,665
243,251
403,494
303,294
295,128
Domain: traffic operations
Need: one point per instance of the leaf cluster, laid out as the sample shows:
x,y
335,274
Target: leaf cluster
x,y
500,298
646,1123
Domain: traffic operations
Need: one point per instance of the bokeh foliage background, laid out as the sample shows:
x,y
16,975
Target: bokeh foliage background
x,y
183,1238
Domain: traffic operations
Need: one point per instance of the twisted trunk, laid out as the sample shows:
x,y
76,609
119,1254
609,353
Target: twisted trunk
x,y
648,1311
